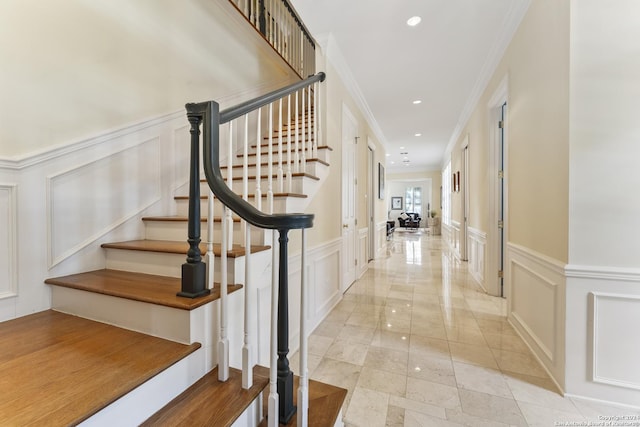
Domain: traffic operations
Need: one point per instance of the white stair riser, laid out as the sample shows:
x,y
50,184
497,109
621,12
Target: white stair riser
x,y
164,264
312,168
298,184
177,231
323,154
280,204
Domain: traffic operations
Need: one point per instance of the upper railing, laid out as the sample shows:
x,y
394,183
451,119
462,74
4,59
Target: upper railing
x,y
281,26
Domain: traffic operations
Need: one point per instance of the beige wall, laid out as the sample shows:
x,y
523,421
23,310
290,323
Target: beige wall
x,y
537,65
71,69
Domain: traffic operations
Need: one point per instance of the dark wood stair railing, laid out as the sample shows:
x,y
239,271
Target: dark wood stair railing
x,y
208,116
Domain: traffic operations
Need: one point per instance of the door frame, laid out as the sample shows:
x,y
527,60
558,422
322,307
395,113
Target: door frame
x,y
371,198
464,238
495,255
346,278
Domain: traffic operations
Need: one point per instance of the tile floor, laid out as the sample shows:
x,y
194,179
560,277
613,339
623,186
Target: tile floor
x,y
417,343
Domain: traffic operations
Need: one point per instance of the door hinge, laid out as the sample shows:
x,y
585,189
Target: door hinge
x,y
501,174
500,274
355,181
501,124
356,261
500,224
355,221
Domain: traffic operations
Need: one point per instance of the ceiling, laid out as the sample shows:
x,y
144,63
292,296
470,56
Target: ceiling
x,y
445,62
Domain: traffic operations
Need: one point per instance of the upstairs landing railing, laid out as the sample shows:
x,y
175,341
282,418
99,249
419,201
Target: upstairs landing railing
x,y
297,140
283,29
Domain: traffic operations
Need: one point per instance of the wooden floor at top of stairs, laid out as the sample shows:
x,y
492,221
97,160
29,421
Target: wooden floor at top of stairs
x,y
209,402
172,247
148,288
58,370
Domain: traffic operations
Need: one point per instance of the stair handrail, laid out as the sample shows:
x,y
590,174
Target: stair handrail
x,y
194,283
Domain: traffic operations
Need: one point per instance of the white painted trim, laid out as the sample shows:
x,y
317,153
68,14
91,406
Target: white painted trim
x,y
538,258
53,261
601,401
336,58
595,377
12,227
363,246
618,274
509,26
50,153
477,255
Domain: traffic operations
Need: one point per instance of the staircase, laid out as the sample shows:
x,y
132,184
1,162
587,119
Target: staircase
x,y
138,289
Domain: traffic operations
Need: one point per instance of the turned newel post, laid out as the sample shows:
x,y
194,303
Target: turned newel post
x,y
194,270
285,376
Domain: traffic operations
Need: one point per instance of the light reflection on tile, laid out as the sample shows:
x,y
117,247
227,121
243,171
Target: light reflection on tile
x,y
416,342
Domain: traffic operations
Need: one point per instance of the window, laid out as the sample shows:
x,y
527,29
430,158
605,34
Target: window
x,y
413,200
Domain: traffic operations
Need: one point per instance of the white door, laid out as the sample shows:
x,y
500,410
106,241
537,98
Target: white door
x,y
349,193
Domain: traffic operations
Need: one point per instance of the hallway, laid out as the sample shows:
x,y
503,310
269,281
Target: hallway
x,y
417,343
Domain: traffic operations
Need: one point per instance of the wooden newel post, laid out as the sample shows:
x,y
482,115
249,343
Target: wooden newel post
x,y
285,376
194,270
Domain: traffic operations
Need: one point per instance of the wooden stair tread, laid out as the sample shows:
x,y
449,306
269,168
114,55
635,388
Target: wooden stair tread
x,y
325,402
59,369
210,402
251,165
159,290
167,246
253,196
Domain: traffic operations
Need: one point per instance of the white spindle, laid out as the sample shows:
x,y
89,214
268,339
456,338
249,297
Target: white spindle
x,y
227,217
297,132
247,365
223,342
303,388
288,169
303,160
316,117
319,118
258,195
280,153
270,162
210,255
310,117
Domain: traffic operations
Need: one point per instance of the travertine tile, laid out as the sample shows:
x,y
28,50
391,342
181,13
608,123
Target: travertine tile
x,y
359,334
367,408
387,359
520,363
432,393
478,378
542,416
491,407
347,351
383,381
435,369
395,416
473,354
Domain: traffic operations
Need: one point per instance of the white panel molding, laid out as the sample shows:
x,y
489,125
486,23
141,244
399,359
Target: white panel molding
x,y
453,237
549,353
617,274
55,258
381,236
50,153
9,247
477,249
363,245
543,331
596,299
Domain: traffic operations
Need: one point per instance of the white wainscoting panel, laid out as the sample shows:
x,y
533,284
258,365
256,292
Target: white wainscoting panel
x,y
477,247
363,250
451,236
535,293
121,186
8,241
615,352
381,236
603,314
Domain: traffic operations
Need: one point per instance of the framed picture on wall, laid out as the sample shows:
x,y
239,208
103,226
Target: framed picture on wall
x,y
380,181
396,203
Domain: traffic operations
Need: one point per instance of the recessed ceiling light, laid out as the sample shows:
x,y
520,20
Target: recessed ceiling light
x,y
413,21
418,134
388,154
417,101
402,148
393,163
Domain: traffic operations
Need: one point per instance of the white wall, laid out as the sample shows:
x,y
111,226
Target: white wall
x,y
603,285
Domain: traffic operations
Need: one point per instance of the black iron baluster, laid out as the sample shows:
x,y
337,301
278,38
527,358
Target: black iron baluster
x,y
285,376
194,270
